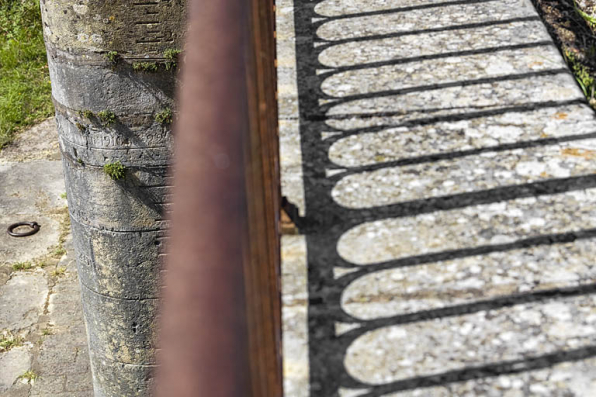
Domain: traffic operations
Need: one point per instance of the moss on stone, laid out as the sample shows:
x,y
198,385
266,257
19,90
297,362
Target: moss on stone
x,y
112,57
149,67
86,113
114,170
164,117
171,56
107,117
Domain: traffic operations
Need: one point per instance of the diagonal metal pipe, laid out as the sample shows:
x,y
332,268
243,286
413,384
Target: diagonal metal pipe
x,y
204,335
220,328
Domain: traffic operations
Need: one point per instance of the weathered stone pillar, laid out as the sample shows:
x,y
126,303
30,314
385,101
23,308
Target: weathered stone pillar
x,y
113,70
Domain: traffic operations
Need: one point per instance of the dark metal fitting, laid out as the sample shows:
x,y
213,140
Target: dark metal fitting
x,y
33,225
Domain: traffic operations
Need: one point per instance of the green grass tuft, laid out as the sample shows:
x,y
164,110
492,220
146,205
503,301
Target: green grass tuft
x,y
115,170
59,271
22,266
58,252
590,20
29,377
8,340
24,80
582,75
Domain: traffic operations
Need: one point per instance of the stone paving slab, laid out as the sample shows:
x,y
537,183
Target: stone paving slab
x,y
405,144
31,191
442,156
457,16
41,305
432,45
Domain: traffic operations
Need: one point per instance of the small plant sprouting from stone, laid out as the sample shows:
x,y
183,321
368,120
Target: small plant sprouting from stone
x,y
8,340
59,271
164,117
81,127
149,67
171,54
113,57
63,195
171,57
58,252
22,266
80,161
107,117
114,170
86,113
46,332
29,377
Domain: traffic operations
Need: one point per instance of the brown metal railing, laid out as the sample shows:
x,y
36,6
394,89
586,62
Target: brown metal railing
x,y
262,270
221,323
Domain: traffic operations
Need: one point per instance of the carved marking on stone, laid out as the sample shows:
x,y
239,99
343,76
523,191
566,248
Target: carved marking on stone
x,y
148,30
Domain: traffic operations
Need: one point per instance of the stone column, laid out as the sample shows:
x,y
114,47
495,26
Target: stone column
x,y
113,70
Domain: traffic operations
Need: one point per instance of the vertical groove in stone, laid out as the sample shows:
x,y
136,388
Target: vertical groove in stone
x,y
111,59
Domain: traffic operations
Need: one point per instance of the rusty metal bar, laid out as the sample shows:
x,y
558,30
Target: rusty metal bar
x,y
262,269
204,331
220,326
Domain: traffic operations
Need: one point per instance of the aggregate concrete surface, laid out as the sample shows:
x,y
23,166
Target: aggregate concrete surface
x,y
40,306
443,160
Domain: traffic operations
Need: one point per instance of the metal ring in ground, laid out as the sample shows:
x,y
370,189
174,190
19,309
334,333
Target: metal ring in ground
x,y
33,225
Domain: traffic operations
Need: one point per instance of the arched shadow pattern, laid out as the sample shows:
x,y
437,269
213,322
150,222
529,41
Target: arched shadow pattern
x,y
404,88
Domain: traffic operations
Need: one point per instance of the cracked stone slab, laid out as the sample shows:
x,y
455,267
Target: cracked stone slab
x,y
13,364
22,301
43,308
63,358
